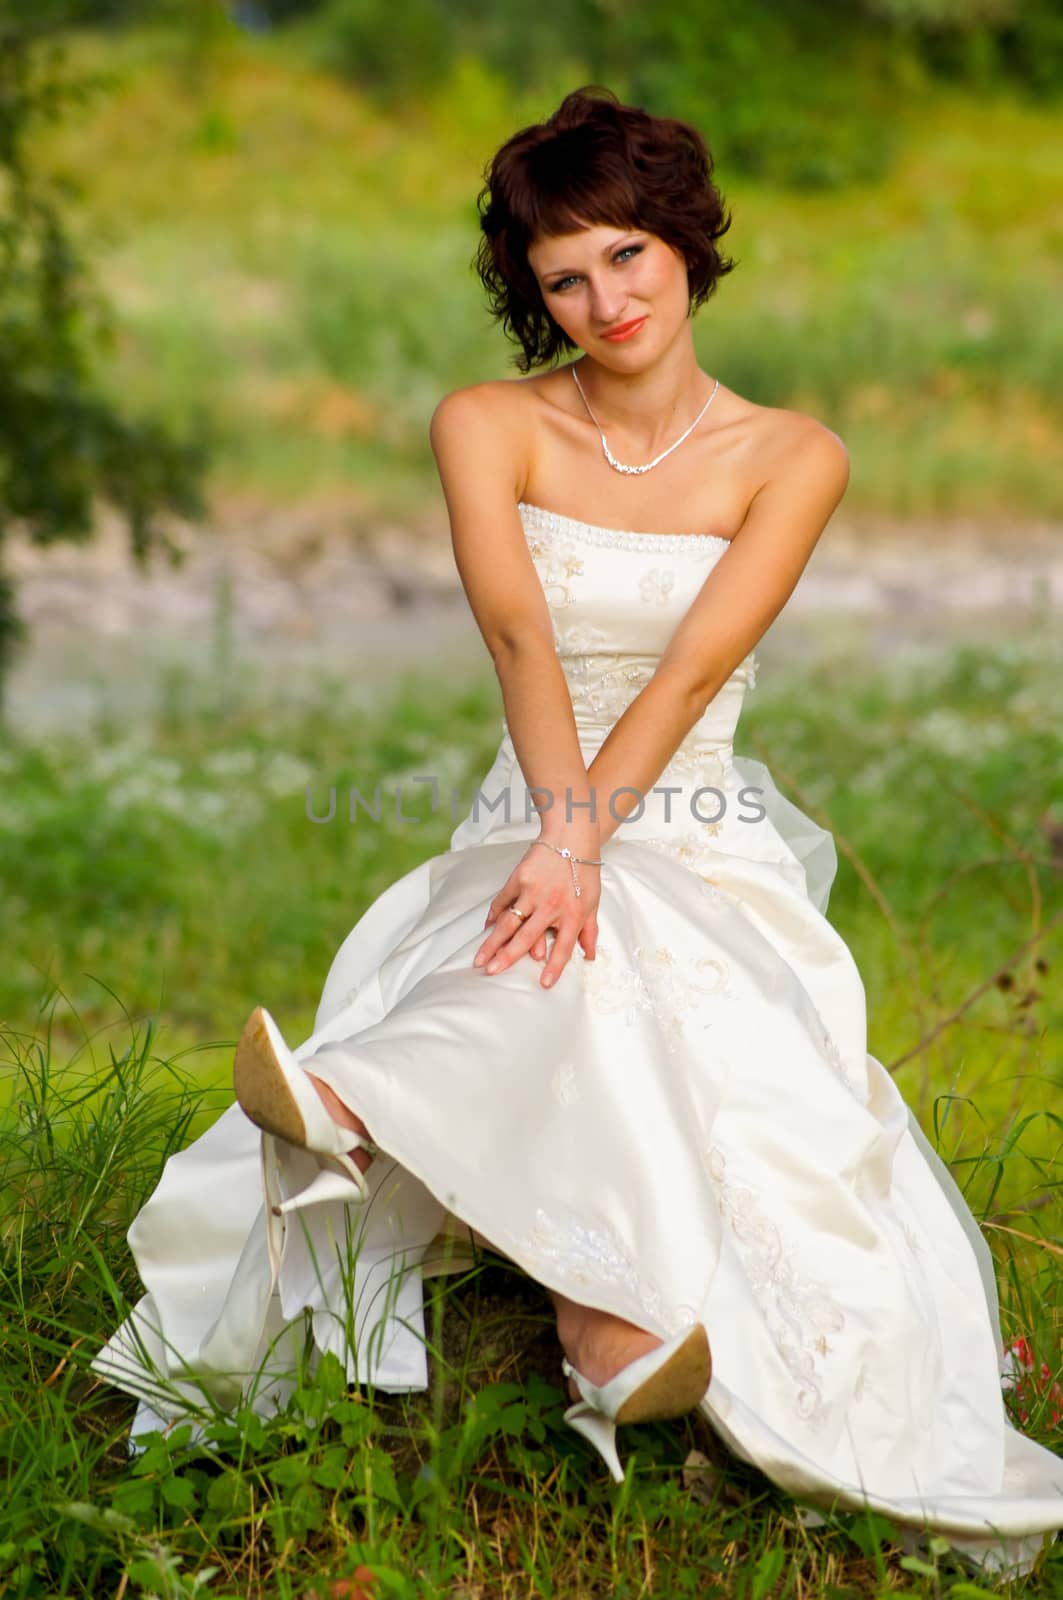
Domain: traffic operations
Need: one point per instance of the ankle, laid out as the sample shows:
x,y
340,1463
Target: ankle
x,y
599,1344
345,1118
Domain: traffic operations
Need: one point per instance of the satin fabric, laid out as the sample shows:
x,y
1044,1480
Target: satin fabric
x,y
690,1125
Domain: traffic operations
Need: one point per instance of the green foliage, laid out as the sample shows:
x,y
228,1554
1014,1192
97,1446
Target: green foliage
x,y
1032,49
983,42
63,442
110,14
81,1146
788,95
957,16
313,294
785,93
390,56
801,94
476,1483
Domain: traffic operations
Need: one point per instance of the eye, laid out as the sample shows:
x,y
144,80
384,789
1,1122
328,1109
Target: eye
x,y
629,249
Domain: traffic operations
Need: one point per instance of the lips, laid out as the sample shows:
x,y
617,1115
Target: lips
x,y
624,329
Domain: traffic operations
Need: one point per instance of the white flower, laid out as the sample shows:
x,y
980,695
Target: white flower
x,y
230,763
285,774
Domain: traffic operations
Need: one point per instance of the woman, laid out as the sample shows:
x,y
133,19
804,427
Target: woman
x,y
677,1128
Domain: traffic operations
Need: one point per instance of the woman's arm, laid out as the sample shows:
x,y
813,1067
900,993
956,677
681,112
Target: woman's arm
x,y
741,597
474,433
478,438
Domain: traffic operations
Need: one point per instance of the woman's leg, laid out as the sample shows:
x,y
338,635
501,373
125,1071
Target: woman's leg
x,y
596,1342
346,1118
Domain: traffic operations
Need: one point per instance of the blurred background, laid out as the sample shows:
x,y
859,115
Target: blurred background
x,y
236,279
236,246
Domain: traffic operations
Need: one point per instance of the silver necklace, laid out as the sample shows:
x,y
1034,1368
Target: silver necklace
x,y
619,466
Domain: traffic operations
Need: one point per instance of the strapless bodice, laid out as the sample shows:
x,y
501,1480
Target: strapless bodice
x,y
615,599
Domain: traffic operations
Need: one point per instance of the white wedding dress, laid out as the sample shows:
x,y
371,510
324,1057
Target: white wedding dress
x,y
688,1126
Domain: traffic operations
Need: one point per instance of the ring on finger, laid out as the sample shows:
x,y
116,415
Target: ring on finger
x,y
516,913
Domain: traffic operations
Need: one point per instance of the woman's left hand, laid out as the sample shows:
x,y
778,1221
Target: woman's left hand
x,y
539,881
538,950
588,939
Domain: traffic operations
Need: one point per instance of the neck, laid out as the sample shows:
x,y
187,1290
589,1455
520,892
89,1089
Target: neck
x,y
641,413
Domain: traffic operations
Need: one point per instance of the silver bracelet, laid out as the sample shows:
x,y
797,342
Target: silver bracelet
x,y
563,850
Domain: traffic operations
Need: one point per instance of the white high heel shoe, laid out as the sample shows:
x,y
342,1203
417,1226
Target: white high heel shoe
x,y
667,1382
273,1089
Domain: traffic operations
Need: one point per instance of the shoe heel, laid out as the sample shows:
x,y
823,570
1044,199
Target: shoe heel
x,y
666,1382
600,1431
274,1091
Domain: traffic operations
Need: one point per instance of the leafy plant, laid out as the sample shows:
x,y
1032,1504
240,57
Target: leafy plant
x,y
63,441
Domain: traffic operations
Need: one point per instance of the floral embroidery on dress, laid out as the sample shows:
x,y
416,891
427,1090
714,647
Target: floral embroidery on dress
x,y
564,1082
797,1315
828,1049
657,585
688,848
556,563
657,985
579,638
593,1255
708,889
700,764
603,685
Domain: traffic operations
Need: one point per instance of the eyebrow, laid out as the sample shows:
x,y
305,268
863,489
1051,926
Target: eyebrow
x,y
566,272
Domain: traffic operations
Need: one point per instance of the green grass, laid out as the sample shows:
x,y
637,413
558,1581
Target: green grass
x,y
475,1488
312,293
162,883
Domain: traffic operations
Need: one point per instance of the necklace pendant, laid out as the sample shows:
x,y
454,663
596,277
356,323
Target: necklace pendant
x,y
619,466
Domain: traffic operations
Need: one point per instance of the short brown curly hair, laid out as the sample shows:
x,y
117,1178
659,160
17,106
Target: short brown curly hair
x,y
593,161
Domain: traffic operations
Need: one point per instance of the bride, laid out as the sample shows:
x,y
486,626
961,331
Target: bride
x,y
614,1036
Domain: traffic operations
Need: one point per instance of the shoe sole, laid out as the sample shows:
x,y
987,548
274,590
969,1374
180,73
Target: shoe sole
x,y
675,1388
260,1085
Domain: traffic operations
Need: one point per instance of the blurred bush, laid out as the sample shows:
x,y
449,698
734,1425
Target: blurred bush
x,y
391,52
982,41
803,94
799,92
65,443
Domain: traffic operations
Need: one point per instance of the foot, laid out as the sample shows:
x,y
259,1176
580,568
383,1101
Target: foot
x,y
345,1118
598,1344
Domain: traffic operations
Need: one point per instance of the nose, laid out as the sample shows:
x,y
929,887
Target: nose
x,y
607,303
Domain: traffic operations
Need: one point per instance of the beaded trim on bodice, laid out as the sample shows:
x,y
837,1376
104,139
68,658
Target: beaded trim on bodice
x,y
620,539
611,622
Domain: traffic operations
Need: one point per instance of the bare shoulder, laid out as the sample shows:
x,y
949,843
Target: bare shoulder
x,y
484,427
495,399
824,448
476,436
799,469
790,442
481,455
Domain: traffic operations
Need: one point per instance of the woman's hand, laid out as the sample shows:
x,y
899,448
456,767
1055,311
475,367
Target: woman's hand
x,y
541,886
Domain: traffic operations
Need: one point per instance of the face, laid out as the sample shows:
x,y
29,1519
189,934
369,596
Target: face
x,y
599,279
